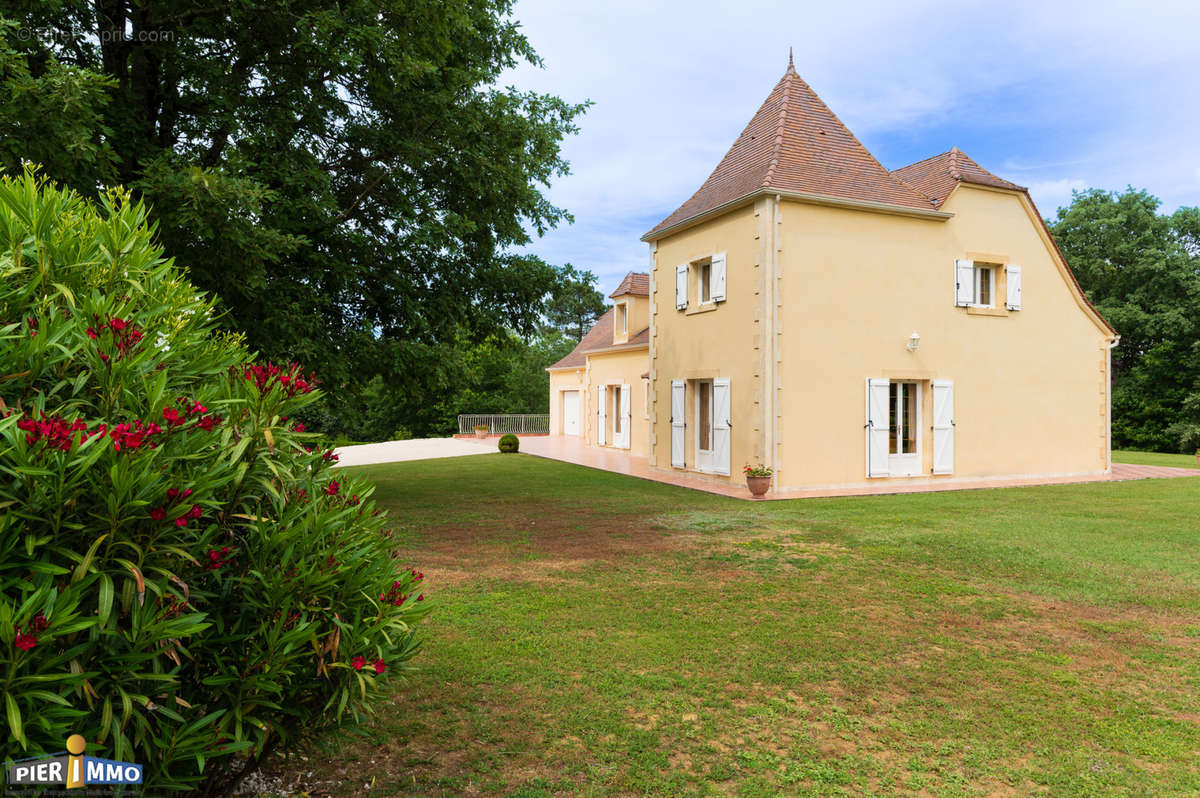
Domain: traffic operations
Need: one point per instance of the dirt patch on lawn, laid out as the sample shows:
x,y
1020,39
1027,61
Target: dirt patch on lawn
x,y
535,544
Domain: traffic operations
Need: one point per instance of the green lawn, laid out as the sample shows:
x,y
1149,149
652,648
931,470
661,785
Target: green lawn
x,y
600,635
1155,459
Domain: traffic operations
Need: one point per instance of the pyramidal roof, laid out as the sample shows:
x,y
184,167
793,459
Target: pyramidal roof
x,y
936,177
795,143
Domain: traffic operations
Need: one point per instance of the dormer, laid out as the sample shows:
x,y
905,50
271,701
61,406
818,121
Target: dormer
x,y
631,307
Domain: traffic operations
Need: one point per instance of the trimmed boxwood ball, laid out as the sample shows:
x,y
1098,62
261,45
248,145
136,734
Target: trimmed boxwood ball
x,y
183,579
509,443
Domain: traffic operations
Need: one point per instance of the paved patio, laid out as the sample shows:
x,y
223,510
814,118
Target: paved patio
x,y
572,450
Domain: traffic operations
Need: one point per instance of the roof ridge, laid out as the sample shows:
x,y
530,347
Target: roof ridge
x,y
854,138
923,160
781,126
953,169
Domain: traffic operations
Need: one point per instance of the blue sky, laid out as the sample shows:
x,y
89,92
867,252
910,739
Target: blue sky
x,y
1052,95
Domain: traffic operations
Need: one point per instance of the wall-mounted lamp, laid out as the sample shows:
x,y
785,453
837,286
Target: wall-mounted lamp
x,y
914,341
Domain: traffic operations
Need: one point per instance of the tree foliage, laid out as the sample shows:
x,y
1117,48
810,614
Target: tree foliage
x,y
345,177
1141,269
575,304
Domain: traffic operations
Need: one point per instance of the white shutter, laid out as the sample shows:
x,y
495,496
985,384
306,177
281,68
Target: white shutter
x,y
716,290
601,413
964,282
877,428
623,439
1014,286
677,423
681,280
721,426
943,427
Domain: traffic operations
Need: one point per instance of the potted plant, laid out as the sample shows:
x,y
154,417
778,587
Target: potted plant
x,y
758,479
481,430
509,443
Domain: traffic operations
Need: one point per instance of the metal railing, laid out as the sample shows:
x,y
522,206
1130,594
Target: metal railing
x,y
500,423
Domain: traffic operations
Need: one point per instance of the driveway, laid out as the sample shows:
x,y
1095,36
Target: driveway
x,y
417,449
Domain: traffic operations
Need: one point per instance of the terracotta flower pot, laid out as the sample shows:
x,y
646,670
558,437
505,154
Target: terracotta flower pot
x,y
481,434
758,486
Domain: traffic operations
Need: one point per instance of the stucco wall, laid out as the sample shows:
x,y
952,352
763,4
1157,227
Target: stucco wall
x,y
1029,385
722,342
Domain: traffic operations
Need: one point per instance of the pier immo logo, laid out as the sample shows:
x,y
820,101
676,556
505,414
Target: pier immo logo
x,y
71,769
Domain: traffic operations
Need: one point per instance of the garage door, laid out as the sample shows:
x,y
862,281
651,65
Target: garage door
x,y
570,400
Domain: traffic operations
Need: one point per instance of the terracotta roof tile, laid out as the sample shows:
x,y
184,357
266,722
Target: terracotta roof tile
x,y
936,177
636,283
795,143
599,336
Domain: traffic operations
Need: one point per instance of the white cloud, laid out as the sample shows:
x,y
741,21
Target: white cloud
x,y
1058,95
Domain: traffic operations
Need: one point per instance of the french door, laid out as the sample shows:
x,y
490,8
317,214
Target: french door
x,y
904,429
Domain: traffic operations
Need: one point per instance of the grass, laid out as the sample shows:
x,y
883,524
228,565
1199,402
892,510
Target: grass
x,y
1155,459
600,635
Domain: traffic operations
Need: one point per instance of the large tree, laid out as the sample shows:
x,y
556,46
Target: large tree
x,y
1141,269
575,303
346,176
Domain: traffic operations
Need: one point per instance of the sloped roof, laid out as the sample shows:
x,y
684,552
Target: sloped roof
x,y
600,339
936,177
600,335
795,143
636,283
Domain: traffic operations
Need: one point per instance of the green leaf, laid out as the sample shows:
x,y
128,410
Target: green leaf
x,y
14,719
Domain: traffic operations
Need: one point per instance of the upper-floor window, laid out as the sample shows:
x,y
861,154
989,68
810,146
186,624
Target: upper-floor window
x,y
623,318
985,285
979,284
704,282
700,283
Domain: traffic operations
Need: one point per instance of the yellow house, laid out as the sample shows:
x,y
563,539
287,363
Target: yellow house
x,y
845,324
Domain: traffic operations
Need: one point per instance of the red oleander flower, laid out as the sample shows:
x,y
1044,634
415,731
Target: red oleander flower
x,y
358,662
24,641
380,667
181,522
421,597
332,488
117,324
38,624
158,513
300,427
217,558
198,408
172,493
172,415
92,334
195,512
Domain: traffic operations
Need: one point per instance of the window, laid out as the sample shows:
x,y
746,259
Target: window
x,y
704,410
708,279
623,317
615,392
985,284
902,418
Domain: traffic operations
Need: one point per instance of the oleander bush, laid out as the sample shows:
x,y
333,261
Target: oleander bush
x,y
182,580
509,443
